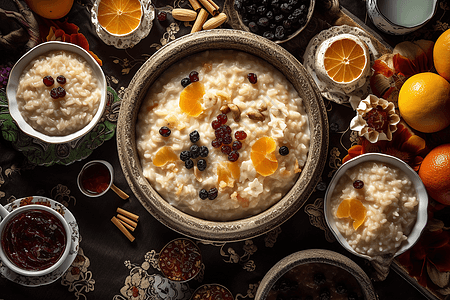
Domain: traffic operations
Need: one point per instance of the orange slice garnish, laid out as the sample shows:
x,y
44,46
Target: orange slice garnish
x,y
263,156
119,16
228,172
354,209
191,99
163,156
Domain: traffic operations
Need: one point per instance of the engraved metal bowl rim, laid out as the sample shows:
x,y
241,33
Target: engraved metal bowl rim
x,y
230,230
315,256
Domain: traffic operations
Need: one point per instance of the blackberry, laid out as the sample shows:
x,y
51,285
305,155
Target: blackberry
x,y
194,136
165,131
204,151
212,194
201,164
233,156
61,79
48,80
358,184
319,278
237,145
189,164
185,82
225,149
185,155
253,27
263,22
61,91
193,76
203,194
195,151
283,150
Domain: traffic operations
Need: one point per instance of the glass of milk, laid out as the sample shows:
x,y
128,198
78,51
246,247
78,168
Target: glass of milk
x,y
400,16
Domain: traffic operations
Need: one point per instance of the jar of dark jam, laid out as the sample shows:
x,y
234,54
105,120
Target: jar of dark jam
x,y
34,239
95,178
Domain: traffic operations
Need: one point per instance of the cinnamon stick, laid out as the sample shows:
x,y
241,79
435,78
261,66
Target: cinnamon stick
x,y
126,220
209,7
128,226
128,214
195,5
214,4
201,18
122,228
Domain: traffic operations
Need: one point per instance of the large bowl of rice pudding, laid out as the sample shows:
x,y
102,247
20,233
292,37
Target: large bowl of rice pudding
x,y
218,195
395,206
56,92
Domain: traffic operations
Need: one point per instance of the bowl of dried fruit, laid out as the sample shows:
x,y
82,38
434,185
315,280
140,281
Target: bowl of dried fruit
x,y
278,21
56,92
316,274
376,206
222,135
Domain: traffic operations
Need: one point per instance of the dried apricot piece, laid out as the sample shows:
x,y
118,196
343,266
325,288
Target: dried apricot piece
x,y
163,156
191,99
228,172
357,213
343,210
263,156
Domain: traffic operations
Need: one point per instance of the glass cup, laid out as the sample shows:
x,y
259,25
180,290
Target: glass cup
x,y
96,178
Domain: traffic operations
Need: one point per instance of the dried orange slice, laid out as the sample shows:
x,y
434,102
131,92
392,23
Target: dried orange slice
x,y
191,99
228,172
163,156
119,17
354,209
263,156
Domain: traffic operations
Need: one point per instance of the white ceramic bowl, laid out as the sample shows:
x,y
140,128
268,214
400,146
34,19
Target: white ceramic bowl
x,y
13,83
315,256
68,233
422,215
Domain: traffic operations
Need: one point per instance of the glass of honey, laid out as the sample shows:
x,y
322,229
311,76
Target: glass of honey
x,y
96,178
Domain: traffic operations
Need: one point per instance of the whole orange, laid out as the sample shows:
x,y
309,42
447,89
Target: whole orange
x,y
424,102
50,9
441,54
435,173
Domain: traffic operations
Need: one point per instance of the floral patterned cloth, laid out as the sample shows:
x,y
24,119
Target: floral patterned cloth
x,y
107,265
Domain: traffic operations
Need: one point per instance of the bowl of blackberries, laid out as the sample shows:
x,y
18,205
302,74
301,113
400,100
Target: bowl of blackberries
x,y
276,20
316,274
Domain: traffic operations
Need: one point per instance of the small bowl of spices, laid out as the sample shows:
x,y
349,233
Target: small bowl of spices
x,y
96,178
35,240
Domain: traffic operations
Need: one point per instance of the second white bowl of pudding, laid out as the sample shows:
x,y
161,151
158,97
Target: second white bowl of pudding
x,y
376,205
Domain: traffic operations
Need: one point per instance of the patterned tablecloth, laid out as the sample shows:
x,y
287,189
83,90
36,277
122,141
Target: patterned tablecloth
x,y
107,265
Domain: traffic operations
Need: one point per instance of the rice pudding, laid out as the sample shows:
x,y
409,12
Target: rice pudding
x,y
257,100
65,113
382,211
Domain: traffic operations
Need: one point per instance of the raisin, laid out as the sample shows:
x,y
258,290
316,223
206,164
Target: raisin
x,y
162,16
237,145
185,155
358,184
201,164
204,151
54,93
164,131
252,77
185,82
222,118
279,32
212,194
189,164
226,129
48,80
193,76
195,151
233,156
283,150
216,124
225,149
220,133
216,143
61,79
203,194
61,91
194,136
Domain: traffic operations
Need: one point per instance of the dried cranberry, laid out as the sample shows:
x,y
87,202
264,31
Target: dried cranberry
x,y
162,16
215,124
164,131
212,194
237,145
216,143
227,139
193,76
61,79
61,91
233,156
222,118
252,78
225,149
219,133
226,129
358,184
240,135
54,93
48,81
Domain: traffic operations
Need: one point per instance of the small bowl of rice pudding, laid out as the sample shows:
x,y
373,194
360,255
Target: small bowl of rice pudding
x,y
222,135
376,205
56,92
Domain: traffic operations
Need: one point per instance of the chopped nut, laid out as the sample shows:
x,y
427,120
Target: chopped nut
x,y
198,174
235,111
256,115
225,109
297,168
262,107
